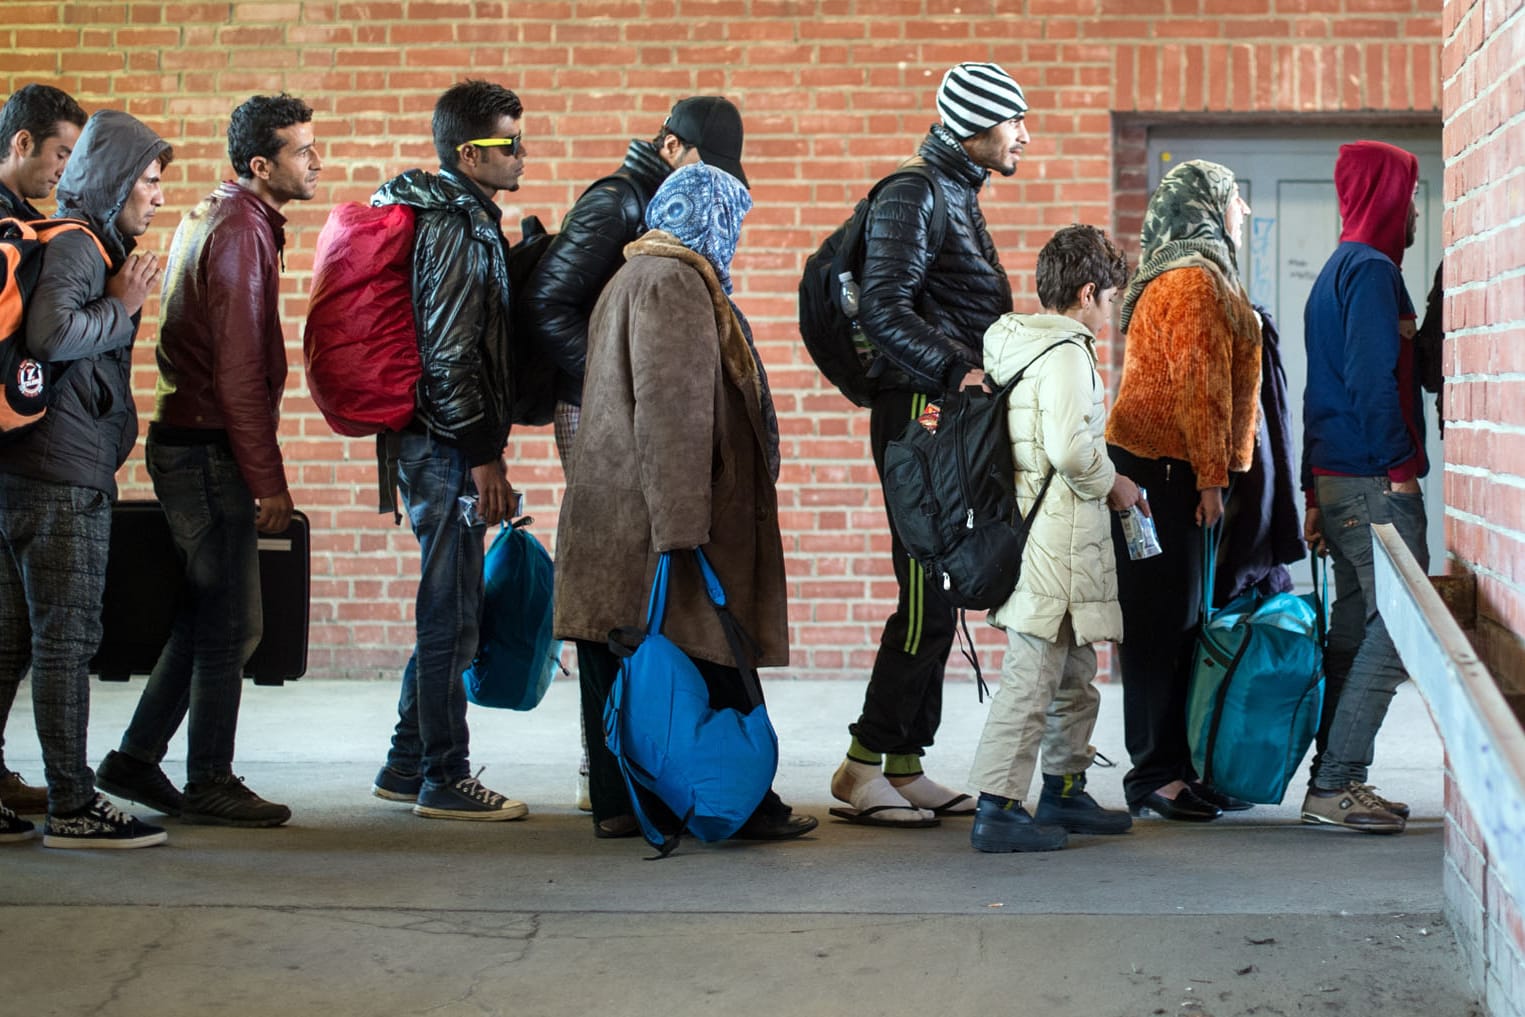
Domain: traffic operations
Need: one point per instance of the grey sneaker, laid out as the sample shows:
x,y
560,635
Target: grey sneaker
x,y
1353,806
21,797
225,801
121,775
467,799
100,825
13,828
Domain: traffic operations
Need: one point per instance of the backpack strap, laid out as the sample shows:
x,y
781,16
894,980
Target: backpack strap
x,y
45,230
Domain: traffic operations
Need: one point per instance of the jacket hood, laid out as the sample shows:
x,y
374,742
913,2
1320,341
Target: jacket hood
x,y
112,152
1014,339
435,192
1375,183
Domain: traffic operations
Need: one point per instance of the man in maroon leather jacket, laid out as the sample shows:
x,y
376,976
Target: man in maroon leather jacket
x,y
216,464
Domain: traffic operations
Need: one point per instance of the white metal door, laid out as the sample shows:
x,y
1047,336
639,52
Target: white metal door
x,y
1288,179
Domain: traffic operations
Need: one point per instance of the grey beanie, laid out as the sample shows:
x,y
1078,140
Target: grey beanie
x,y
974,97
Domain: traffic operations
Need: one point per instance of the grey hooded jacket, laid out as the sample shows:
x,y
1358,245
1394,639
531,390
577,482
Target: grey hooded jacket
x,y
91,422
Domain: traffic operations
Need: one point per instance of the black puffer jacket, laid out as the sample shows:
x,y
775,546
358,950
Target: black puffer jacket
x,y
460,305
929,316
583,258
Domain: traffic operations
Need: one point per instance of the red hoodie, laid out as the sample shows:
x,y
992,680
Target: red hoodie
x,y
1375,182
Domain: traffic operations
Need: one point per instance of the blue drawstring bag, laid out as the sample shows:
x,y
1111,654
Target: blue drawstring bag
x,y
1257,687
710,767
517,656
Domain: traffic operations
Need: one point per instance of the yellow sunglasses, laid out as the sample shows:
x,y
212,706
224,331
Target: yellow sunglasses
x,y
514,145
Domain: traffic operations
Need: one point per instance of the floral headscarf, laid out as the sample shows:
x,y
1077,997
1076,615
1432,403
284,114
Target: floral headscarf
x,y
1185,217
703,208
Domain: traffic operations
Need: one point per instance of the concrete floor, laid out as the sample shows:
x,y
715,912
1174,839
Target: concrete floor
x,y
359,908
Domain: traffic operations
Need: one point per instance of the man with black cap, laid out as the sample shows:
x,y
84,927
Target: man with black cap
x,y
925,304
590,247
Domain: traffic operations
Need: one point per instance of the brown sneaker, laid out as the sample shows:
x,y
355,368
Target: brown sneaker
x,y
1399,809
1353,806
21,797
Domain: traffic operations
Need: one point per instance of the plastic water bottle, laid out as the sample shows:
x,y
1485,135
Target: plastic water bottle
x,y
847,296
1143,539
847,300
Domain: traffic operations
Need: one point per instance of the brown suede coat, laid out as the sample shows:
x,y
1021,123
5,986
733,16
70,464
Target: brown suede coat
x,y
670,454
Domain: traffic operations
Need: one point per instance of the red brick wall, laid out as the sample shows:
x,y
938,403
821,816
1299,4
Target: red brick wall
x,y
1484,75
834,93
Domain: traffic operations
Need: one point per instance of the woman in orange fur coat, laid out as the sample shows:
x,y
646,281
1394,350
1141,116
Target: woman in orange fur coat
x,y
1184,419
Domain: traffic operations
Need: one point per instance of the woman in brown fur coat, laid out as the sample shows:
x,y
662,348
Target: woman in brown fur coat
x,y
677,448
1184,419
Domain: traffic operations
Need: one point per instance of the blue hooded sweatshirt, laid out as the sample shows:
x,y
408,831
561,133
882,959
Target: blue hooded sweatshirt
x,y
1361,409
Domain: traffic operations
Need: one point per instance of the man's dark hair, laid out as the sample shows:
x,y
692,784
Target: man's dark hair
x,y
1074,256
37,109
468,111
252,127
667,132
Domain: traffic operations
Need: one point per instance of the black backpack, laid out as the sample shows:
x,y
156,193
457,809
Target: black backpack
x,y
830,331
952,500
532,370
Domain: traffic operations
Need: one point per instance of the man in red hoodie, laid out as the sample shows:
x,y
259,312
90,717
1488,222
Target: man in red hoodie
x,y
1363,455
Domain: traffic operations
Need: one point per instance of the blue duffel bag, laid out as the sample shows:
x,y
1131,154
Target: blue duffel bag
x,y
710,767
517,656
1257,686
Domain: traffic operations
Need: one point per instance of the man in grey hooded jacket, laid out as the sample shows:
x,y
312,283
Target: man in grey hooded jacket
x,y
58,478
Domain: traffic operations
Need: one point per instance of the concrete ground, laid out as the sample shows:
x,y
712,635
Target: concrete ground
x,y
360,908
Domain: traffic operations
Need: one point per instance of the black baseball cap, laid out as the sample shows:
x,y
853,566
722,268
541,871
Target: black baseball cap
x,y
712,124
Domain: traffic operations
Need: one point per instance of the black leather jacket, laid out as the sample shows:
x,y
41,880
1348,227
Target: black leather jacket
x,y
461,309
582,259
928,315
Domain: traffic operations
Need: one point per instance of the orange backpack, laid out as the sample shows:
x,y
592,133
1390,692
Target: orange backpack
x,y
26,379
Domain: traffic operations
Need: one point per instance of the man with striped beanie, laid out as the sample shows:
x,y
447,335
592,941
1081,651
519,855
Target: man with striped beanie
x,y
930,287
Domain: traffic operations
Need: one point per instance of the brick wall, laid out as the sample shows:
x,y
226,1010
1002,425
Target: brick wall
x,y
834,93
1483,74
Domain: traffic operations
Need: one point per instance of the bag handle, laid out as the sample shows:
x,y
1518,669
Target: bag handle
x,y
744,648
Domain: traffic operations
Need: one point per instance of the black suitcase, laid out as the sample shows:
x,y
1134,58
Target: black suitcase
x,y
143,580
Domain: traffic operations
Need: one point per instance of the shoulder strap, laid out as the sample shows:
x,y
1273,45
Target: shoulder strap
x,y
46,229
938,228
1005,390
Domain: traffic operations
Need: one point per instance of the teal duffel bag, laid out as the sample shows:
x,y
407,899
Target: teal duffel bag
x,y
1257,686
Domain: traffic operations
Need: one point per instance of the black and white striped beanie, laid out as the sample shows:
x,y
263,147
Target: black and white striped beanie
x,y
974,97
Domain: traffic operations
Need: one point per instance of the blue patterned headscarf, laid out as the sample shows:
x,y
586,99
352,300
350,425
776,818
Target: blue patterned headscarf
x,y
703,207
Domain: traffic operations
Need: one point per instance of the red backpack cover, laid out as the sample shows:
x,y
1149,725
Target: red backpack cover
x,y
360,343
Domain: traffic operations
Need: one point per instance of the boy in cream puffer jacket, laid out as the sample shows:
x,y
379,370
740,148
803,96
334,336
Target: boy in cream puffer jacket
x,y
1066,599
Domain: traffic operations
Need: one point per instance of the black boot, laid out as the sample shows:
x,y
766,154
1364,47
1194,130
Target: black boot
x,y
1065,803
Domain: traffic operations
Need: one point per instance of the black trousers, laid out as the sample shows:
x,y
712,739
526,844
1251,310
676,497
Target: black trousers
x,y
597,667
1161,599
903,704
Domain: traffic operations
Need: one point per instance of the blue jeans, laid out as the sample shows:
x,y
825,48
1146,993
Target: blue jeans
x,y
219,619
54,541
1350,506
431,737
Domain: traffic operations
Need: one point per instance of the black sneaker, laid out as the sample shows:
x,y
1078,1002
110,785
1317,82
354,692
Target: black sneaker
x,y
396,787
14,828
100,825
225,801
1065,802
121,775
1000,828
468,799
